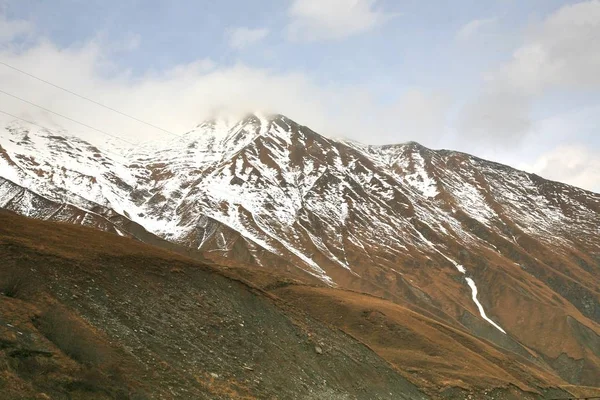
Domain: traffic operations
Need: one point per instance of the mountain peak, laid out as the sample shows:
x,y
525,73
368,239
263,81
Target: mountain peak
x,y
244,118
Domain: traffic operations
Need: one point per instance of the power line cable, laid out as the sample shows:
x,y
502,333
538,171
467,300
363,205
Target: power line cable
x,y
88,99
54,131
68,118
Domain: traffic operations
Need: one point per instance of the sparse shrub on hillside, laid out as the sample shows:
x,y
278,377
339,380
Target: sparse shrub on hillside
x,y
17,282
91,379
73,336
33,365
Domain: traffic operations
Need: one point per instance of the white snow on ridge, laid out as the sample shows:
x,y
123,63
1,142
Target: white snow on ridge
x,y
276,172
420,179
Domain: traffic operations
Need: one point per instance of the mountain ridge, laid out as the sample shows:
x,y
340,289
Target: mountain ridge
x,y
481,244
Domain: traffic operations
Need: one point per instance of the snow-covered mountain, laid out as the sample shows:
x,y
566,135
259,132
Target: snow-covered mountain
x,y
502,253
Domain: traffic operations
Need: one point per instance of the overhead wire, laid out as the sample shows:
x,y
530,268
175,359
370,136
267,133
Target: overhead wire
x,y
55,132
120,156
87,98
66,117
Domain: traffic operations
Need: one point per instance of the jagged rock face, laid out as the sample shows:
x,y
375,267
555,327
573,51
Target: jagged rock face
x,y
505,254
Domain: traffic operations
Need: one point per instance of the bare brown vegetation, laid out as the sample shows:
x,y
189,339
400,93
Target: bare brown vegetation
x,y
17,282
114,322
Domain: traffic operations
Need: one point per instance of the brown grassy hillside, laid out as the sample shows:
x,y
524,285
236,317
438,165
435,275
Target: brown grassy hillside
x,y
90,315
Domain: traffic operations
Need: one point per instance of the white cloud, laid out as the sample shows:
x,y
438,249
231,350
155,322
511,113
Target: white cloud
x,y
419,115
11,29
576,164
496,116
561,53
333,19
184,95
130,42
112,46
564,53
242,37
471,28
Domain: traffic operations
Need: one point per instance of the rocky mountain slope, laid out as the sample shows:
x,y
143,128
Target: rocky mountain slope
x,y
119,319
505,255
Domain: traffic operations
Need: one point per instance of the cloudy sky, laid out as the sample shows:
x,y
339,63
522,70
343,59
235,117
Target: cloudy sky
x,y
516,81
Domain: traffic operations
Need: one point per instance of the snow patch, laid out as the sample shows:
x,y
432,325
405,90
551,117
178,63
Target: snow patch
x,y
473,287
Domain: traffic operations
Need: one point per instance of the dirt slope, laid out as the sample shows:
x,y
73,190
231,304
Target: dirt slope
x,y
91,315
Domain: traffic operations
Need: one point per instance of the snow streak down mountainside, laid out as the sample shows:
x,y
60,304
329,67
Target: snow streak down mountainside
x,y
476,243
